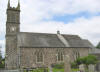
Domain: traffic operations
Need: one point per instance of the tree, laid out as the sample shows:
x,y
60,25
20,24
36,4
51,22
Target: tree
x,y
98,45
90,59
87,60
1,60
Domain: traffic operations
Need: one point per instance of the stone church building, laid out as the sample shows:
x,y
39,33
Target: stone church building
x,y
29,50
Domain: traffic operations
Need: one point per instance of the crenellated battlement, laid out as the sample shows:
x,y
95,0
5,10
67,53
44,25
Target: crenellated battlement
x,y
13,8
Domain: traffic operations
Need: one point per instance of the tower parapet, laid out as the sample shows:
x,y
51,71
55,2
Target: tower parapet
x,y
14,8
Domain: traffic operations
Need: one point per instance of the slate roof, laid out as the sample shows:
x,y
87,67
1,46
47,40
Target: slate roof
x,y
48,40
88,43
39,40
74,41
93,49
96,51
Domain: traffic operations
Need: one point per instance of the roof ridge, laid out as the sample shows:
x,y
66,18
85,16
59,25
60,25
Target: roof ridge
x,y
46,33
37,33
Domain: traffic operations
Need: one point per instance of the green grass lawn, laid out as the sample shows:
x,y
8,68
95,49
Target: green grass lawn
x,y
62,70
58,70
54,70
42,70
36,70
75,69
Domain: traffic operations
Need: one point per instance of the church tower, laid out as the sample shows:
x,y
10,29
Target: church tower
x,y
12,28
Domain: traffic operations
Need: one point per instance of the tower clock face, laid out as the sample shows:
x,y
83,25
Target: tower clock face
x,y
13,29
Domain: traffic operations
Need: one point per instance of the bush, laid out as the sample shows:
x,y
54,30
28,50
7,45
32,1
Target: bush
x,y
80,61
2,63
58,66
74,65
90,59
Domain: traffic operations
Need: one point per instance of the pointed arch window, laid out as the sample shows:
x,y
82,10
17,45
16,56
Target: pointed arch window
x,y
77,54
39,57
60,56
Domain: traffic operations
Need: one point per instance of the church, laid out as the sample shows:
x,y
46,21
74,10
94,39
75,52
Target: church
x,y
29,50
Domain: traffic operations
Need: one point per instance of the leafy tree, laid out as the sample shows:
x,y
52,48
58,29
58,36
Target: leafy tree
x,y
90,59
98,45
87,60
2,60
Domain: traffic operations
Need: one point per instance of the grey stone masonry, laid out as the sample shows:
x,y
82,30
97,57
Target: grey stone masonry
x,y
12,28
31,50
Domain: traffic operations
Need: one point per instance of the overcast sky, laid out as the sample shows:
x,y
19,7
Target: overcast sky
x,y
81,17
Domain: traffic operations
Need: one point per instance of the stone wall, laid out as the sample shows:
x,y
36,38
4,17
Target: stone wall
x,y
28,56
10,71
11,59
12,28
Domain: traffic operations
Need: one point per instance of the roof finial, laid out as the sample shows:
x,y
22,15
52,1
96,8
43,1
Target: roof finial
x,y
8,3
18,7
58,32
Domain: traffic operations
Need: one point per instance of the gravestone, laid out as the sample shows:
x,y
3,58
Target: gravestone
x,y
82,68
91,68
97,68
67,66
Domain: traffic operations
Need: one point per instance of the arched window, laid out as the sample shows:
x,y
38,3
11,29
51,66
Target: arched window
x,y
60,56
77,55
39,57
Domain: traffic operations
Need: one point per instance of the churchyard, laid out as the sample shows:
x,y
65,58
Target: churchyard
x,y
91,69
84,64
82,69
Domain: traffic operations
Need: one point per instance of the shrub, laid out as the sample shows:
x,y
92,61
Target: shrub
x,y
58,66
74,65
